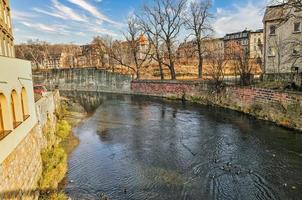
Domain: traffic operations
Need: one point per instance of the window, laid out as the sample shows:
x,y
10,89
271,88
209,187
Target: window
x,y
271,51
4,47
272,30
1,120
296,50
297,27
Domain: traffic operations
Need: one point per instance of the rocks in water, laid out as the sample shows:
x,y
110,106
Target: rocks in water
x,y
251,171
285,184
274,155
293,187
125,190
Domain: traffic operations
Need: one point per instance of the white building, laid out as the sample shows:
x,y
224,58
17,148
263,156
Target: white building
x,y
17,106
282,55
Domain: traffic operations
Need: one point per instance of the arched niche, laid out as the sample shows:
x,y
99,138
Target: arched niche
x,y
24,104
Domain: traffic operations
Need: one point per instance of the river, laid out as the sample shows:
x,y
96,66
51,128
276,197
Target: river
x,y
139,148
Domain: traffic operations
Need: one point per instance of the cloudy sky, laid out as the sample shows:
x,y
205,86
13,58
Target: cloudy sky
x,y
77,21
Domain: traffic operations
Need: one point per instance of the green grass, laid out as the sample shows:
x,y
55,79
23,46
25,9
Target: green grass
x,y
63,129
54,167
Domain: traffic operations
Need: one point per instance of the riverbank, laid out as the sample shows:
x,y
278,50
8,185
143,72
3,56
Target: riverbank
x,y
281,108
137,147
55,157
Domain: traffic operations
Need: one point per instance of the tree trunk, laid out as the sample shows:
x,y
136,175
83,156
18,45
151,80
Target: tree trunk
x,y
171,66
200,67
172,71
161,71
138,74
200,60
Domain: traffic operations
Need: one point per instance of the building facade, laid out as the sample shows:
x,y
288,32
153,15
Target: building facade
x,y
240,38
17,107
256,44
7,40
282,43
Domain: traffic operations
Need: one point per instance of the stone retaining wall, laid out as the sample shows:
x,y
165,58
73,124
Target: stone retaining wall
x,y
21,170
83,79
283,108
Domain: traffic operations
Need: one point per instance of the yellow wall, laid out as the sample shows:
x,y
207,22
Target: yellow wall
x,y
6,35
16,74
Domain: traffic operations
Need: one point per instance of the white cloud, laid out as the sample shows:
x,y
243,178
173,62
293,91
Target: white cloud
x,y
93,10
58,29
19,15
61,11
239,18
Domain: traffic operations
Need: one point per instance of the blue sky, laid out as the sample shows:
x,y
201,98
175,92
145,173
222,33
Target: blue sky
x,y
78,21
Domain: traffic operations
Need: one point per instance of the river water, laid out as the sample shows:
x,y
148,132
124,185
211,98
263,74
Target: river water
x,y
142,148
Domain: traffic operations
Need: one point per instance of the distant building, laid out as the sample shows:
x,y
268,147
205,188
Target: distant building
x,y
282,53
6,35
256,44
52,61
186,54
241,38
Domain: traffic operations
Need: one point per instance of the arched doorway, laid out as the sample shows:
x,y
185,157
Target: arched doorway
x,y
24,104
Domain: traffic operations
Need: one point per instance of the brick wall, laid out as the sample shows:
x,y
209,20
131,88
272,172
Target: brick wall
x,y
283,108
263,96
164,88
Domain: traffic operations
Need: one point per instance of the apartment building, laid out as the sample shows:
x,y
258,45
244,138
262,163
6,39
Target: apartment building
x,y
256,44
241,38
7,40
282,43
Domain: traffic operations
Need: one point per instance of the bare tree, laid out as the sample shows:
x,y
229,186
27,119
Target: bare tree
x,y
136,56
168,15
150,26
34,50
216,61
243,63
289,8
197,20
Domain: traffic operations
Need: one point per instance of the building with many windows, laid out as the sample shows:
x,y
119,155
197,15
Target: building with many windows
x,y
282,43
256,43
7,40
240,38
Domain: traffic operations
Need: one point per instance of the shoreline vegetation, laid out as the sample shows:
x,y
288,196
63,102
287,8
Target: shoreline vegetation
x,y
55,156
256,112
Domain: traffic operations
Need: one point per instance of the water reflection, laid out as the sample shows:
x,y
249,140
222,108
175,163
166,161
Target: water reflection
x,y
141,148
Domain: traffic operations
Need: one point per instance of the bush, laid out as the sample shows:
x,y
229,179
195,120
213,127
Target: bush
x,y
63,129
54,167
53,196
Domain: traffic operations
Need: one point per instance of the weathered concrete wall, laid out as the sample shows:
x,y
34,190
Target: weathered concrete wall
x,y
283,108
21,170
84,79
